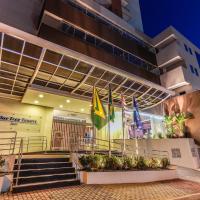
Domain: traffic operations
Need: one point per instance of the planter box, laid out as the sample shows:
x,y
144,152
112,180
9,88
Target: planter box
x,y
5,183
117,177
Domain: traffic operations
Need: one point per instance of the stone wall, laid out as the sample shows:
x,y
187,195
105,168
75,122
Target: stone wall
x,y
187,103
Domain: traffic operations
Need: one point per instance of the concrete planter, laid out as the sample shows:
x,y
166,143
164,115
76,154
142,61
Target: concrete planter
x,y
117,177
5,183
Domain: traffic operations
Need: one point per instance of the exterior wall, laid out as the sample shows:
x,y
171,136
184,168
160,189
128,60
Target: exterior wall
x,y
42,114
170,79
164,147
174,47
21,14
117,7
135,14
187,103
90,4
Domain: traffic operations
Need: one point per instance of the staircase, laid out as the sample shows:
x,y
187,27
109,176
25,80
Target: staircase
x,y
42,171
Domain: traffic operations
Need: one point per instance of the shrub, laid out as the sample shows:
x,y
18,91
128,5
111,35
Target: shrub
x,y
84,161
140,162
164,163
113,163
128,163
98,162
2,161
94,161
153,163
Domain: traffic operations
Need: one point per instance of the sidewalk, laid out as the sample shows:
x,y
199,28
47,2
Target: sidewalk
x,y
168,190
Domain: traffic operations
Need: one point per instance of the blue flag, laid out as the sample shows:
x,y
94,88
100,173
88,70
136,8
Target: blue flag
x,y
136,115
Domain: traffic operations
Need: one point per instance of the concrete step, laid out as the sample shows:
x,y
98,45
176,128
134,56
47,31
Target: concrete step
x,y
45,185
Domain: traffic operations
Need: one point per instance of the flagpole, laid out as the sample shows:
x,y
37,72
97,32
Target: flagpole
x,y
123,124
109,137
94,129
123,131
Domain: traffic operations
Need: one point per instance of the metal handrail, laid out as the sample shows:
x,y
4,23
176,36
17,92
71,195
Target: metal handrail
x,y
19,160
32,142
159,153
11,141
95,145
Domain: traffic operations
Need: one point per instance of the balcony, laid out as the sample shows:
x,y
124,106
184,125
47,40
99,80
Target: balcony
x,y
77,16
171,81
57,36
169,55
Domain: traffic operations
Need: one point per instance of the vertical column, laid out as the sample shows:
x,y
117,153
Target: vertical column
x,y
116,7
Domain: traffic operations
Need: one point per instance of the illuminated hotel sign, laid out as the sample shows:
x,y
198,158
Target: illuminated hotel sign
x,y
16,120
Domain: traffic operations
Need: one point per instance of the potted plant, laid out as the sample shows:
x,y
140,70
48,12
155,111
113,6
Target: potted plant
x,y
2,164
168,120
179,123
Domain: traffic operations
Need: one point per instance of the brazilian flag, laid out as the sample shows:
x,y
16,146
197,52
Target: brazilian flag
x,y
111,106
98,113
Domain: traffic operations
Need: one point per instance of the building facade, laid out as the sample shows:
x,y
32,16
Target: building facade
x,y
53,52
178,56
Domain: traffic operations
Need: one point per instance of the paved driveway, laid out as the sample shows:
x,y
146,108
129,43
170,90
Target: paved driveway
x,y
151,191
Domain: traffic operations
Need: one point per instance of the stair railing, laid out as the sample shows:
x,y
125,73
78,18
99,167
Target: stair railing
x,y
19,160
39,142
95,145
8,143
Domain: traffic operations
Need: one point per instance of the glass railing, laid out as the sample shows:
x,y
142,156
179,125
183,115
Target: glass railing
x,y
108,47
125,34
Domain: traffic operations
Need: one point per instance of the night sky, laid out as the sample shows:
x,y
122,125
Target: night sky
x,y
184,15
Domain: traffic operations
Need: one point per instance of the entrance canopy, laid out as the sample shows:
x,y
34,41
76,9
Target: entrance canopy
x,y
28,61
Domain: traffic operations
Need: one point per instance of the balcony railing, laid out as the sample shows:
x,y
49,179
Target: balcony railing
x,y
83,20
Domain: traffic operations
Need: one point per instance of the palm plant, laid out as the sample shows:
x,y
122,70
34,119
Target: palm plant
x,y
168,120
180,119
2,162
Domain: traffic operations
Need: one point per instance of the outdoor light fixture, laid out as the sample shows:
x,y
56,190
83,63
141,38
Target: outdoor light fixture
x,y
41,96
36,101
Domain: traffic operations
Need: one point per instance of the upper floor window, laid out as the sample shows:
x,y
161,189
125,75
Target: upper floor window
x,y
190,50
196,72
192,69
198,58
186,47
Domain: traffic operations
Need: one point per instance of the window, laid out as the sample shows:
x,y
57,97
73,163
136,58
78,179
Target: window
x,y
196,72
186,48
198,58
190,50
192,69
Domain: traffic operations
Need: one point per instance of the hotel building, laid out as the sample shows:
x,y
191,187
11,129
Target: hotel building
x,y
53,52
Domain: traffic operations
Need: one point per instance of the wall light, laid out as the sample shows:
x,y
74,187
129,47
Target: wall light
x,y
82,109
41,96
36,101
68,101
61,106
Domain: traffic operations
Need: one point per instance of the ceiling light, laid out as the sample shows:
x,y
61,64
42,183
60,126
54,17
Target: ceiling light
x,y
68,101
36,101
61,106
41,95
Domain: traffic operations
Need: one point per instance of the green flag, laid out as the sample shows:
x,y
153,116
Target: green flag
x,y
111,106
98,113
